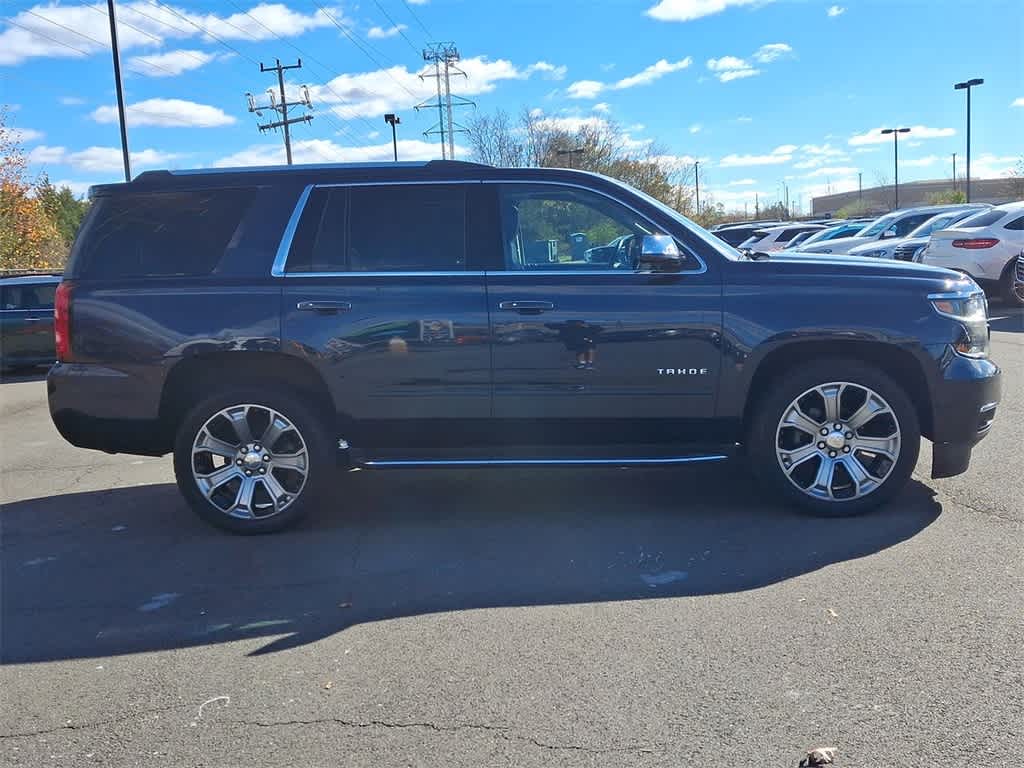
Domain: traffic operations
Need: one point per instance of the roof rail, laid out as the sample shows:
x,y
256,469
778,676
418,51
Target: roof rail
x,y
165,173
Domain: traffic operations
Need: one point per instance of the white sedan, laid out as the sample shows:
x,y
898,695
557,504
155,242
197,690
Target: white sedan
x,y
985,246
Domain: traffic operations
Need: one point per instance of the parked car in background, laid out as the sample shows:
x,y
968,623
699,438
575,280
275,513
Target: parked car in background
x,y
892,225
776,238
907,246
984,246
26,321
735,235
844,229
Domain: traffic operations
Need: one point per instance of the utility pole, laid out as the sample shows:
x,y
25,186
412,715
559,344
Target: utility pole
x,y
444,57
285,121
860,189
393,120
696,182
120,90
757,207
785,186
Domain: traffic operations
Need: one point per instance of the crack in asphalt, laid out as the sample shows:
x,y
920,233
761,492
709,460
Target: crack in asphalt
x,y
498,730
70,726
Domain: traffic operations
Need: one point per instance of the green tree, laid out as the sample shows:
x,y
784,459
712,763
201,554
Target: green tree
x,y
62,208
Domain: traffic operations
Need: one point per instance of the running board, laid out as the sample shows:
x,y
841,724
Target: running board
x,y
623,462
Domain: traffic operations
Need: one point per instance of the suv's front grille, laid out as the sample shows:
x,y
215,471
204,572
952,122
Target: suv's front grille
x,y
905,252
1020,267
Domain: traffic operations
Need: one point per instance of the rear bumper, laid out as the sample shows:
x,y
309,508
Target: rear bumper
x,y
108,409
964,402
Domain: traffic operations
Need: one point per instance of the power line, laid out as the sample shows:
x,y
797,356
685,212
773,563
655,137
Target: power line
x,y
285,121
418,19
12,22
362,47
397,26
123,23
101,43
203,30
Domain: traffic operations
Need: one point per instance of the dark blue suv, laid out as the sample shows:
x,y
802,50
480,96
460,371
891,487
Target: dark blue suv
x,y
269,324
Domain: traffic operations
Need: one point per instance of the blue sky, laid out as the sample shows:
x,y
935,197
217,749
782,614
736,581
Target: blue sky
x,y
761,91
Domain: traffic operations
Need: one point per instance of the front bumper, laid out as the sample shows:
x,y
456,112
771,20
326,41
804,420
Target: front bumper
x,y
964,404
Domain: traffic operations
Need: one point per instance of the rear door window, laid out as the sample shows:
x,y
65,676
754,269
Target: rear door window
x,y
27,296
161,234
388,228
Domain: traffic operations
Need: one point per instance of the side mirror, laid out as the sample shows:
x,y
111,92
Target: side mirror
x,y
659,253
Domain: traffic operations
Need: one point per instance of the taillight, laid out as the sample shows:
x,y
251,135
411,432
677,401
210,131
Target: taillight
x,y
62,321
976,242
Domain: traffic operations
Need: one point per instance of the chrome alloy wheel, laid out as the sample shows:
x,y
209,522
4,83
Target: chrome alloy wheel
x,y
838,441
249,461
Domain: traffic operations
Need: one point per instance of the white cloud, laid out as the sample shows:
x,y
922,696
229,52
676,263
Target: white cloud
x,y
548,71
990,166
729,68
840,171
98,159
688,10
371,94
744,119
26,135
572,124
602,107
817,155
920,162
778,156
324,150
373,134
835,10
678,162
696,128
170,63
865,150
1017,102
419,2
875,135
72,101
150,27
590,89
766,54
742,182
380,33
737,197
167,113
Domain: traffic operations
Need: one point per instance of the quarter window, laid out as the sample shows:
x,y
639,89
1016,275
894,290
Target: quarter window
x,y
1016,224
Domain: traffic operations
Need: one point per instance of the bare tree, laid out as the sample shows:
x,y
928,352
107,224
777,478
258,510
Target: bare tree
x,y
495,141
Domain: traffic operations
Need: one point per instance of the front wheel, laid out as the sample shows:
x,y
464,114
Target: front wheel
x,y
252,461
836,437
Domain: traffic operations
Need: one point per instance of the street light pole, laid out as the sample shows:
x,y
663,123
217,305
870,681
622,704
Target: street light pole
x,y
968,84
696,181
895,163
111,14
954,171
393,120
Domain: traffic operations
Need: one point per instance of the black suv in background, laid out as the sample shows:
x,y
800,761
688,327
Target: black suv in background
x,y
267,324
26,320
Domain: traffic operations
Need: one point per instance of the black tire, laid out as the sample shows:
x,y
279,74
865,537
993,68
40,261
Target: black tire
x,y
1011,291
785,389
306,420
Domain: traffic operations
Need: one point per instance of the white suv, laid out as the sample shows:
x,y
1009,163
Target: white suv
x,y
985,246
893,225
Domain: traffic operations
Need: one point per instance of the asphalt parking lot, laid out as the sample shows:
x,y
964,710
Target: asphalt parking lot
x,y
558,617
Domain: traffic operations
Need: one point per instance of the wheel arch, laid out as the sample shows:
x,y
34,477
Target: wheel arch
x,y
896,362
195,377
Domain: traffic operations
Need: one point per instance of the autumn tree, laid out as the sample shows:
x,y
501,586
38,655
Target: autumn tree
x,y
29,238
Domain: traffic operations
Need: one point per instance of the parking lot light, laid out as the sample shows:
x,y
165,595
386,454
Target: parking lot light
x,y
967,85
895,164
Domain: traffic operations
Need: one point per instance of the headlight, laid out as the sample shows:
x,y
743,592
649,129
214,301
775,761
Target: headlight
x,y
970,310
879,254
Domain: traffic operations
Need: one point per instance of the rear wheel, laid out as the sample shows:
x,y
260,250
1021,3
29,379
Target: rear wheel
x,y
252,461
837,437
1012,284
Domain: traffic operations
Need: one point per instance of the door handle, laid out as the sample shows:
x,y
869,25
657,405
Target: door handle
x,y
527,307
324,307
33,319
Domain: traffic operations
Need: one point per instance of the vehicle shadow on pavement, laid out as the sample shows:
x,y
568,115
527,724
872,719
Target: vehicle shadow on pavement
x,y
129,570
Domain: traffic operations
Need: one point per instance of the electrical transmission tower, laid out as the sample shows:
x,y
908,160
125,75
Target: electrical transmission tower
x,y
444,57
281,106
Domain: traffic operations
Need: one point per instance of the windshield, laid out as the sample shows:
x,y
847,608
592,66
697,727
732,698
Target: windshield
x,y
878,227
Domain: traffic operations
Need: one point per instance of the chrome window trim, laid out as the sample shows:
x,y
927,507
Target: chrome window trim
x,y
643,460
278,269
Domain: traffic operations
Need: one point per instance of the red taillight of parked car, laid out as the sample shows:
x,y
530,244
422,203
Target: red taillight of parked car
x,y
62,321
976,242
